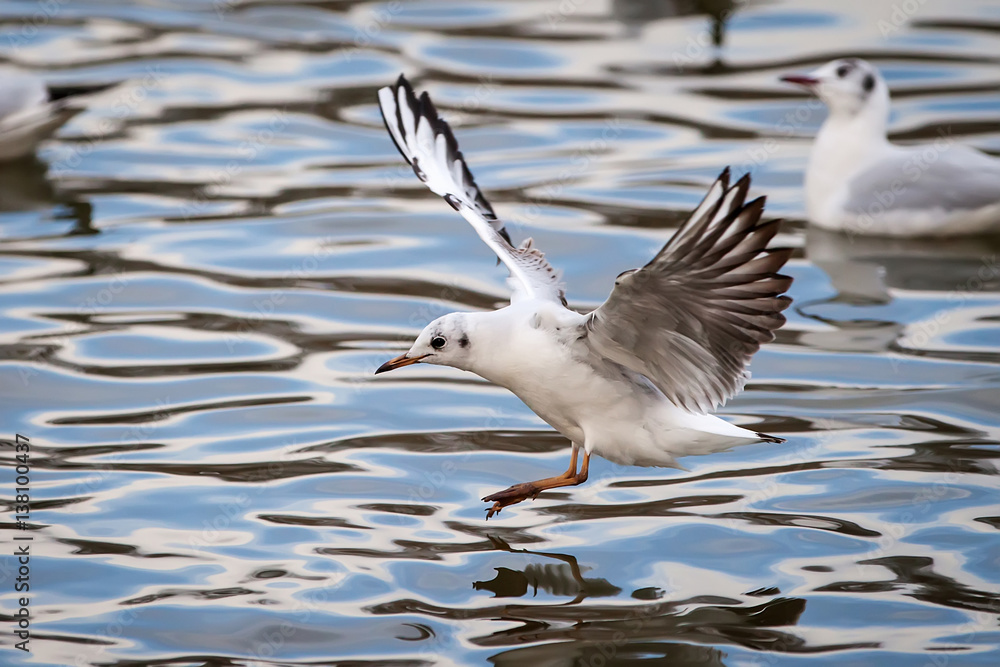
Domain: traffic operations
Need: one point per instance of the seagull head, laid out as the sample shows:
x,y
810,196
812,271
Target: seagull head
x,y
848,86
445,341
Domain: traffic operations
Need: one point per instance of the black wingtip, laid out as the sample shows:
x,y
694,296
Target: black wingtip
x,y
756,204
770,438
424,111
691,232
404,83
423,108
744,182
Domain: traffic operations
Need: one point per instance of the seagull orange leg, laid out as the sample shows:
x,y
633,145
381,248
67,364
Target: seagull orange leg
x,y
525,490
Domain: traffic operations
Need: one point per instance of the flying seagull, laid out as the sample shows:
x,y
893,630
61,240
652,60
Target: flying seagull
x,y
31,112
859,182
633,381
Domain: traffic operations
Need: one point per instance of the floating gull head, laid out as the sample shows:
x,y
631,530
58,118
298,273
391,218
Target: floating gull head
x,y
859,182
446,341
847,86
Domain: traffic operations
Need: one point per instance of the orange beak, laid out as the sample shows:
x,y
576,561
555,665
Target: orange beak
x,y
398,362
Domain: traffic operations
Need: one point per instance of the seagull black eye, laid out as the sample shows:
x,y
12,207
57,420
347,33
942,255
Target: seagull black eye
x,y
438,342
843,70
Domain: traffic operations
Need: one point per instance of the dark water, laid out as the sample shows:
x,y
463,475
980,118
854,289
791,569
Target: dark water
x,y
201,272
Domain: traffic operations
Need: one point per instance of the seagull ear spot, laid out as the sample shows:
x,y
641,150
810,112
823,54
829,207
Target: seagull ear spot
x,y
868,83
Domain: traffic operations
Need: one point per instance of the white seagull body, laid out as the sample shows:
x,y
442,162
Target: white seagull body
x,y
859,182
535,351
28,114
634,380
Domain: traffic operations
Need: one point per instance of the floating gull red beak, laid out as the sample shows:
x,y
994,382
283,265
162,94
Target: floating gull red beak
x,y
398,362
799,80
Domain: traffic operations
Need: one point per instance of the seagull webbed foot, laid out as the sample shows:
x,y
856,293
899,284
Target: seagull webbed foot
x,y
519,492
511,496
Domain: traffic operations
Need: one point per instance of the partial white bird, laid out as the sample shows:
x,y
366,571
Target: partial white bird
x,y
30,112
634,380
859,182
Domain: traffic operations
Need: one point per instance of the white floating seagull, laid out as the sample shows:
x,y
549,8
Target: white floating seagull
x,y
858,182
634,380
31,112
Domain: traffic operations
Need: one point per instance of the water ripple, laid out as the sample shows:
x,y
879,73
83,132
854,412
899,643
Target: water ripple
x,y
200,272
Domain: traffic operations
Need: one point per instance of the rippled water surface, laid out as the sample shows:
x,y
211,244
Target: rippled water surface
x,y
201,271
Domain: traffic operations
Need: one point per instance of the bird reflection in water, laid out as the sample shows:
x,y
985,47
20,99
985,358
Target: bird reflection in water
x,y
29,199
865,272
625,634
563,579
635,13
880,273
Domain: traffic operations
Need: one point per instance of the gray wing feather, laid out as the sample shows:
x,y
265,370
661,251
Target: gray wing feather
x,y
691,319
954,179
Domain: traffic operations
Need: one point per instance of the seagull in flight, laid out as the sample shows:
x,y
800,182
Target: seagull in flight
x,y
858,182
635,380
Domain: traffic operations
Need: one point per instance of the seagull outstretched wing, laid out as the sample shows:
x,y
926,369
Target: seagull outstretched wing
x,y
691,319
427,143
